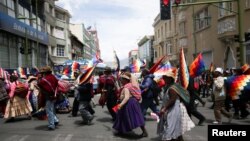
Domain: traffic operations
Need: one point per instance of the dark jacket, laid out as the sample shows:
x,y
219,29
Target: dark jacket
x,y
193,93
3,93
85,92
146,85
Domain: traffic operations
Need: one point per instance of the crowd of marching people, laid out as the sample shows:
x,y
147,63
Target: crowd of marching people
x,y
126,98
35,95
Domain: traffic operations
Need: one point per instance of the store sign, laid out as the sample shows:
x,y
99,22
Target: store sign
x,y
14,26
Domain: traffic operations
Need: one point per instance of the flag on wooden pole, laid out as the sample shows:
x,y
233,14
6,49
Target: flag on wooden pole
x,y
183,71
197,66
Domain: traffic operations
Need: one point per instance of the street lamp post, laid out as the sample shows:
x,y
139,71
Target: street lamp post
x,y
37,43
26,48
25,43
26,51
194,34
241,33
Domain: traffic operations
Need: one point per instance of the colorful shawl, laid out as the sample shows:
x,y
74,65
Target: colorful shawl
x,y
135,91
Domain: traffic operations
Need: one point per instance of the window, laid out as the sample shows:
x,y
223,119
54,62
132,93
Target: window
x,y
59,28
51,10
52,50
247,3
155,54
20,10
60,50
11,8
170,28
34,21
27,15
230,7
161,31
59,16
221,10
169,48
46,6
3,2
21,13
166,29
51,30
225,9
158,33
48,29
202,19
39,23
182,27
10,4
59,32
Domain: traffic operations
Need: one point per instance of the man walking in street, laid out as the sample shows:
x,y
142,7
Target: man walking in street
x,y
48,85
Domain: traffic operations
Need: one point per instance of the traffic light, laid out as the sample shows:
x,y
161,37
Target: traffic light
x,y
247,36
238,53
236,38
165,6
177,2
22,50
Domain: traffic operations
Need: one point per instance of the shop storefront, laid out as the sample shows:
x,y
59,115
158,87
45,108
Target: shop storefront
x,y
16,36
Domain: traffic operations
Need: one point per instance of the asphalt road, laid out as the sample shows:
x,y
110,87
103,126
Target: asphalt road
x,y
71,129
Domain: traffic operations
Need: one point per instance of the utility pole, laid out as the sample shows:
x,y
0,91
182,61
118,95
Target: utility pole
x,y
25,43
194,34
37,43
241,34
26,48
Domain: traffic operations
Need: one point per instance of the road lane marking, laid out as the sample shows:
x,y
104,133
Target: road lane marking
x,y
17,138
24,138
60,137
57,138
12,138
201,138
69,137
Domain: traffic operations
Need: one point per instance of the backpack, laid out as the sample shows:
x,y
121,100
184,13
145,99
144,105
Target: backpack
x,y
63,86
21,90
183,93
155,88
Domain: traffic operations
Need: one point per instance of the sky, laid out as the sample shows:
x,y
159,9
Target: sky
x,y
120,23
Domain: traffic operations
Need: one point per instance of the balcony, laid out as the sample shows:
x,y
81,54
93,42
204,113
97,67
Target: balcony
x,y
226,26
49,18
183,42
158,41
59,59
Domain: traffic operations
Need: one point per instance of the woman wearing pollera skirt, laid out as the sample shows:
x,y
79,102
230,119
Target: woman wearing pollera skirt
x,y
129,115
